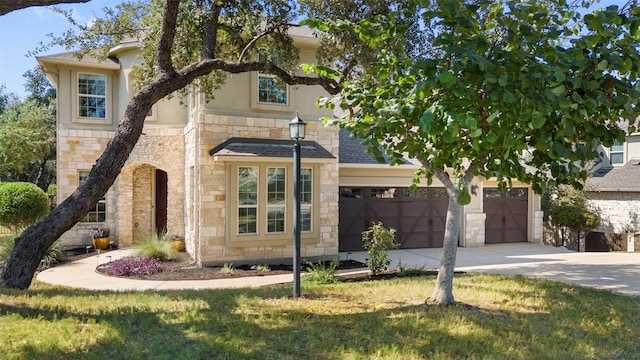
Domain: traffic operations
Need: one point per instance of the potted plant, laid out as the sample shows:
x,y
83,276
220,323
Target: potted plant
x,y
177,241
100,237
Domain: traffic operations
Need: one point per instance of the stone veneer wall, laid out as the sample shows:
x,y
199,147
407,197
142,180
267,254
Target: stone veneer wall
x,y
618,211
159,148
474,229
215,129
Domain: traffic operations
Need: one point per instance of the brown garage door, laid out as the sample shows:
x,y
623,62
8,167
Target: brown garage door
x,y
507,215
417,215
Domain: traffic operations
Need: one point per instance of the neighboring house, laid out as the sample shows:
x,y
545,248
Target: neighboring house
x,y
219,172
614,187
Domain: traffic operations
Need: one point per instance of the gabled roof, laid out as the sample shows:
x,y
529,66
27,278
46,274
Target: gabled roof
x,y
252,147
71,58
623,178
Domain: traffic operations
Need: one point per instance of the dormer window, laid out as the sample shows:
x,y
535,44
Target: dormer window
x,y
272,90
616,153
92,96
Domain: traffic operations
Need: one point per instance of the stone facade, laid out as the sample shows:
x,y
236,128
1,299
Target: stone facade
x,y
211,233
130,202
474,229
619,212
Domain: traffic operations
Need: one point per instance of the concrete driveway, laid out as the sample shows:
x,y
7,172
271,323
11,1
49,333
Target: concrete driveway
x,y
615,271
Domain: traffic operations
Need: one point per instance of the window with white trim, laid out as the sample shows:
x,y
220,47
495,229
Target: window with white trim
x,y
616,153
99,211
272,90
263,204
306,199
247,200
276,199
92,96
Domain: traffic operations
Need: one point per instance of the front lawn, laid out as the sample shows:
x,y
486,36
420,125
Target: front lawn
x,y
496,317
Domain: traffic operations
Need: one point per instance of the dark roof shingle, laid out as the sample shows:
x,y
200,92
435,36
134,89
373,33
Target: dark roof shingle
x,y
623,178
269,148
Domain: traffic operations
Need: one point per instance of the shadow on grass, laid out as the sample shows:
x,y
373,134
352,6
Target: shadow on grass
x,y
516,318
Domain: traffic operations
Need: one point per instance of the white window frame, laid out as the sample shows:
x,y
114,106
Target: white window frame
x,y
276,206
255,206
275,78
95,212
89,95
256,104
618,151
262,236
306,203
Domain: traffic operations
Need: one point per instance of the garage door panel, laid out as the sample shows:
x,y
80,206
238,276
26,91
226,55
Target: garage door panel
x,y
507,215
417,215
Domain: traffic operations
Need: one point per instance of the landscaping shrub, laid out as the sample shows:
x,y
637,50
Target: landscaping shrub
x,y
321,273
21,204
134,266
158,247
53,255
377,241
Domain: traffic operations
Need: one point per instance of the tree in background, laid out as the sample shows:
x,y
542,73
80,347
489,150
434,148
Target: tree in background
x,y
522,90
28,134
184,43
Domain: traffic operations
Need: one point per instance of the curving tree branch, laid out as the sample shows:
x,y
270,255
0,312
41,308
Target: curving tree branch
x,y
7,6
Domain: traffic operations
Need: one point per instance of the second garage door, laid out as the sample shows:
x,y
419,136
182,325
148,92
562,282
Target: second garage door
x,y
507,215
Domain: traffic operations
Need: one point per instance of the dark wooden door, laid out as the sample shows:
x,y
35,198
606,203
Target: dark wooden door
x,y
161,201
417,215
507,215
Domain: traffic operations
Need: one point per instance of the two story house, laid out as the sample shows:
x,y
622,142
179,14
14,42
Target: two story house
x,y
614,189
219,172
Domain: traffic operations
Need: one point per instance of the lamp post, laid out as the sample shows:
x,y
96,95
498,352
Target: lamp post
x,y
297,129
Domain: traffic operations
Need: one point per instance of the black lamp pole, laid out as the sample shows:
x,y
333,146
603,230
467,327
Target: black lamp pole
x,y
296,132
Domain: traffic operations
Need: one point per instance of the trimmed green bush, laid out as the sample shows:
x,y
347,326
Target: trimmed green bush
x,y
21,204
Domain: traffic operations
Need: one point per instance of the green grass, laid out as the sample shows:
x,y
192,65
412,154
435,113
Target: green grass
x,y
496,317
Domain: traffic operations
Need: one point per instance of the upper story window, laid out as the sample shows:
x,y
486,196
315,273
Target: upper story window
x,y
92,96
272,90
616,153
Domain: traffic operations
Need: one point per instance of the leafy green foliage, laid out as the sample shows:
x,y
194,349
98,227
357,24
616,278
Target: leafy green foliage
x,y
246,31
321,273
27,142
21,204
157,247
574,218
377,240
504,81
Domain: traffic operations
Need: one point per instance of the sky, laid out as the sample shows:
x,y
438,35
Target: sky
x,y
21,31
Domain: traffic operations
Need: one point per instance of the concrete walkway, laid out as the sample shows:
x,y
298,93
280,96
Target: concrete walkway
x,y
618,272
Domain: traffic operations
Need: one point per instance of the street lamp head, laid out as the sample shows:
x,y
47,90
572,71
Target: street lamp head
x,y
297,128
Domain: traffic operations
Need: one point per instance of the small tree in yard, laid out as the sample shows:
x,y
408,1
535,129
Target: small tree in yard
x,y
575,218
377,241
522,90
